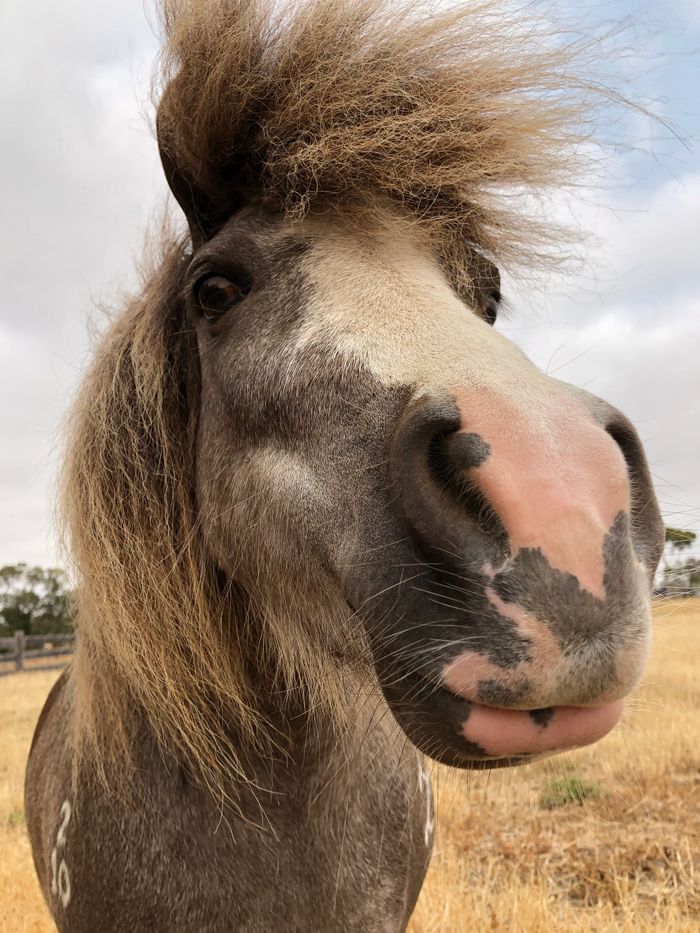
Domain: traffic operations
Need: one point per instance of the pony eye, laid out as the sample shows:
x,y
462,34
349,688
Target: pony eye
x,y
493,300
215,295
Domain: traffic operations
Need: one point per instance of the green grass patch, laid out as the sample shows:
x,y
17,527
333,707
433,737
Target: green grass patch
x,y
561,792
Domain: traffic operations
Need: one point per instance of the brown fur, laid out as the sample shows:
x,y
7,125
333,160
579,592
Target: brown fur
x,y
442,110
324,106
129,507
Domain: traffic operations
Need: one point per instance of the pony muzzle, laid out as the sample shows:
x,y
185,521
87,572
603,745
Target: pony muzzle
x,y
522,515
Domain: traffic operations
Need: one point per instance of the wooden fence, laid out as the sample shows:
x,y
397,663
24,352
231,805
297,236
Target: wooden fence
x,y
22,648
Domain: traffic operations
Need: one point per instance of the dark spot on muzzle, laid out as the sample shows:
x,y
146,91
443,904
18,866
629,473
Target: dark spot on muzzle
x,y
542,717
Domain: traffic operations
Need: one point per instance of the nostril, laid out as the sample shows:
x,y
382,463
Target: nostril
x,y
626,439
448,517
440,467
647,525
450,457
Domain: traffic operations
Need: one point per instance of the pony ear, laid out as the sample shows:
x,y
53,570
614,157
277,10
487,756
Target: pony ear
x,y
205,211
194,201
486,275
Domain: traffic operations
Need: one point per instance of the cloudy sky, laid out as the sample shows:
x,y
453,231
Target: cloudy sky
x,y
80,178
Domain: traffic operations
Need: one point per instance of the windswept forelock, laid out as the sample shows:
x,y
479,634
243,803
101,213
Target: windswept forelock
x,y
323,104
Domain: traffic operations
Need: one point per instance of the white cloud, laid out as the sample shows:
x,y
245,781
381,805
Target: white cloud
x,y
80,178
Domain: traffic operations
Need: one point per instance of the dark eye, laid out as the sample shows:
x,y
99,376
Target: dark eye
x,y
493,300
215,295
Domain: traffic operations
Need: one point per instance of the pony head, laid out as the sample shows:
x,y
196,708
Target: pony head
x,y
304,458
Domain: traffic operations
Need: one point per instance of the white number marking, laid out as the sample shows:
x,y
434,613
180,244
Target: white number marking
x,y
426,787
63,883
60,877
66,811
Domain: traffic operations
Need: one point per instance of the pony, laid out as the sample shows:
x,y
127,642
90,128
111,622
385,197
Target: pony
x,y
327,523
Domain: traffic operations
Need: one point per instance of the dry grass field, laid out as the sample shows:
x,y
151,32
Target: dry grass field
x,y
8,667
603,839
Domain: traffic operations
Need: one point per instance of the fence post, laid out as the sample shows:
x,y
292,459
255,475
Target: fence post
x,y
19,650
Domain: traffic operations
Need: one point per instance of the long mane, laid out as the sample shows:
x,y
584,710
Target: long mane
x,y
151,613
326,105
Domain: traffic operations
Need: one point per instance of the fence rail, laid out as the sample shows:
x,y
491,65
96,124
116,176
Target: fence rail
x,y
22,648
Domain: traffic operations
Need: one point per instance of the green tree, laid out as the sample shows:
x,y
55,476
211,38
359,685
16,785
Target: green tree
x,y
35,600
679,538
677,574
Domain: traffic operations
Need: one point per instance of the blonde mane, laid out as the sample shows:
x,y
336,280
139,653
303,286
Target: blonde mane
x,y
332,106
